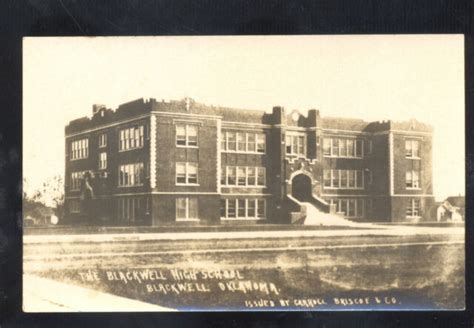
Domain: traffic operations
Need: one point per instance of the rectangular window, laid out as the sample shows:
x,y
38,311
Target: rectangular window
x,y
344,179
231,175
74,206
343,145
80,149
335,178
131,138
129,208
243,208
327,178
186,135
102,140
102,161
223,208
350,148
412,179
412,148
186,209
261,208
241,142
241,176
251,176
231,141
295,144
251,146
131,174
335,148
327,145
186,173
344,174
231,213
347,148
251,213
359,150
413,208
359,179
223,141
76,180
260,143
260,176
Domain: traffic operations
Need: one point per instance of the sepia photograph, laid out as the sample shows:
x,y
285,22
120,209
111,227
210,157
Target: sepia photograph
x,y
243,173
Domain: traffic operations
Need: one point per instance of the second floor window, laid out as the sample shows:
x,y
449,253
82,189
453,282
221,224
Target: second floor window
x,y
344,179
243,176
186,135
412,149
295,145
131,138
412,179
131,174
80,149
102,161
102,140
186,173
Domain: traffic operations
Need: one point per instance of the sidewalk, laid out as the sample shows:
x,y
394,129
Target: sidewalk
x,y
46,295
374,230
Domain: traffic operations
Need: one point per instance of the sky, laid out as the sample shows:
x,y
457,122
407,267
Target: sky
x,y
372,77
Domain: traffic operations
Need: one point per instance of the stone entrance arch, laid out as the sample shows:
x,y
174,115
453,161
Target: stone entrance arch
x,y
302,187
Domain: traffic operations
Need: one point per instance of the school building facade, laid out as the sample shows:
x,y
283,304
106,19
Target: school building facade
x,y
153,162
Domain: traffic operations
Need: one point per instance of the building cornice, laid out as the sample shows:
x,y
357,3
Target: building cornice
x,y
105,126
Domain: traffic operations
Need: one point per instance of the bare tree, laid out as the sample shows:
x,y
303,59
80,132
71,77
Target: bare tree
x,y
52,193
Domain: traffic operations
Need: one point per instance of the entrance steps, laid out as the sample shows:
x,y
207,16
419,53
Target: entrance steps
x,y
316,217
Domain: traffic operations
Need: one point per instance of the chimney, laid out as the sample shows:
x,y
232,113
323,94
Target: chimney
x,y
96,108
279,115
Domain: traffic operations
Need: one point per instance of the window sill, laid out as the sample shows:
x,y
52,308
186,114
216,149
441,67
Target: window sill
x,y
246,187
410,188
187,220
344,157
183,146
413,217
242,152
125,150
337,188
244,219
415,158
77,159
188,184
128,186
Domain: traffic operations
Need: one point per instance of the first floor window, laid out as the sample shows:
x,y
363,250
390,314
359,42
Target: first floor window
x,y
74,206
413,208
130,208
103,161
351,208
186,208
243,208
76,180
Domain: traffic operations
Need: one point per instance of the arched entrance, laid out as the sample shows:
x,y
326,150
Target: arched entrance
x,y
301,188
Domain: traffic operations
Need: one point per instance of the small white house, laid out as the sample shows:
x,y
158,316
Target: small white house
x,y
452,209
